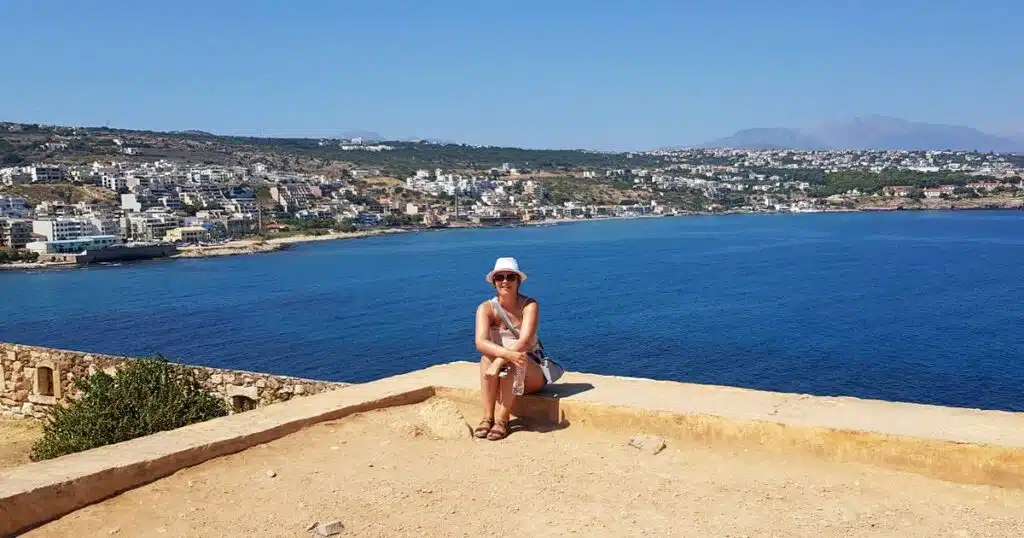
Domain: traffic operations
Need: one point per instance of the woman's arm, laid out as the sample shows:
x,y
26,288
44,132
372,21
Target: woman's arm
x,y
483,341
528,328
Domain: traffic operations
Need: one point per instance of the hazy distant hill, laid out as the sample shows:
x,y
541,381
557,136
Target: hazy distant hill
x,y
369,136
873,132
768,138
1016,137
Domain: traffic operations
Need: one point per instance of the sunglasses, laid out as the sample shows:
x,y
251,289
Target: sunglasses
x,y
506,277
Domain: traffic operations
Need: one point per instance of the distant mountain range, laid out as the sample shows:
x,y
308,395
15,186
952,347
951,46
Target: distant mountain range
x,y
369,136
373,136
872,133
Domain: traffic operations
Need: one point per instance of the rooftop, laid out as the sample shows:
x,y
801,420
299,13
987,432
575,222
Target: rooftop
x,y
394,457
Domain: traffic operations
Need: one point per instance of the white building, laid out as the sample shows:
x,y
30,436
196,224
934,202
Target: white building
x,y
17,175
115,183
48,174
99,225
73,246
151,225
131,203
535,189
60,229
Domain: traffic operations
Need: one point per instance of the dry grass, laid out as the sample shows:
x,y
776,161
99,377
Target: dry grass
x,y
16,439
71,194
386,181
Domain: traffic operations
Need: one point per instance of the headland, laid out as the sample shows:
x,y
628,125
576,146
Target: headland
x,y
394,457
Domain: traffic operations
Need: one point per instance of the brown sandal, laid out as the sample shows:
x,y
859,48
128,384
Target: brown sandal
x,y
499,431
484,428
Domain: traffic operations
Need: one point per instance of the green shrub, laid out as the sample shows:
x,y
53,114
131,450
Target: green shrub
x,y
144,397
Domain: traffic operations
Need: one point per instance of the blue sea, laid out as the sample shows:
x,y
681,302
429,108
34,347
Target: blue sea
x,y
909,306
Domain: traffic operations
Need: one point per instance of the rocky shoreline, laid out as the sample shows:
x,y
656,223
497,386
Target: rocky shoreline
x,y
229,249
274,244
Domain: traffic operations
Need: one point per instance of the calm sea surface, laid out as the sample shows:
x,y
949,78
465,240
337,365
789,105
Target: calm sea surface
x,y
921,306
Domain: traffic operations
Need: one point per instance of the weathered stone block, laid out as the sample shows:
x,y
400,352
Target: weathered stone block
x,y
651,444
248,392
216,379
330,528
42,400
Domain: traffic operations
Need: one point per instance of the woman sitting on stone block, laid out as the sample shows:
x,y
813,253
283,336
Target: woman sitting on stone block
x,y
505,348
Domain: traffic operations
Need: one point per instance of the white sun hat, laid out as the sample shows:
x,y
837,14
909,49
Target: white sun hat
x,y
502,265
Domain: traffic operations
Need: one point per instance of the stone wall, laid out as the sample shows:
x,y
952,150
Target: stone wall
x,y
33,378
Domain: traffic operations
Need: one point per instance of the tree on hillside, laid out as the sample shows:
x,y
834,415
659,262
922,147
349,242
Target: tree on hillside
x,y
12,159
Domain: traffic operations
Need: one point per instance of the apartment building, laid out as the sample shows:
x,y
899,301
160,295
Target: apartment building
x,y
102,225
534,189
187,234
15,233
13,207
48,174
115,183
295,197
17,175
241,206
149,226
61,228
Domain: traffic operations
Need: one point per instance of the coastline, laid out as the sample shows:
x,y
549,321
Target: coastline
x,y
239,247
28,266
274,244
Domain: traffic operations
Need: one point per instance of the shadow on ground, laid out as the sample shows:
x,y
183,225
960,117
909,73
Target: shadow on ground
x,y
564,390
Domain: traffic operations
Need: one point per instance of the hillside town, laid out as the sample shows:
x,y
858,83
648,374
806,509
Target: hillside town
x,y
60,206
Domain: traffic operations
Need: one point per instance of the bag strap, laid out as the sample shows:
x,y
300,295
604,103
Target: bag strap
x,y
508,323
504,316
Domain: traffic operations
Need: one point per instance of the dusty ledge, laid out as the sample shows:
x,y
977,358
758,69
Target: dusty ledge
x,y
42,491
963,445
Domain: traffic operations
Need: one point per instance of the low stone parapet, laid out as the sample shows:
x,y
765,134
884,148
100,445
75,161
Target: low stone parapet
x,y
34,378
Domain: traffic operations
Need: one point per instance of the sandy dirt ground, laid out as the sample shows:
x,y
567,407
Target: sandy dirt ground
x,y
16,438
414,471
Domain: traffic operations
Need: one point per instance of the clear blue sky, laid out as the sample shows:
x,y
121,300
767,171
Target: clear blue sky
x,y
586,74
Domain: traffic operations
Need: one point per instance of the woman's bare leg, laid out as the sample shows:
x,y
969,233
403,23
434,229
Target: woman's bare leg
x,y
488,387
534,382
